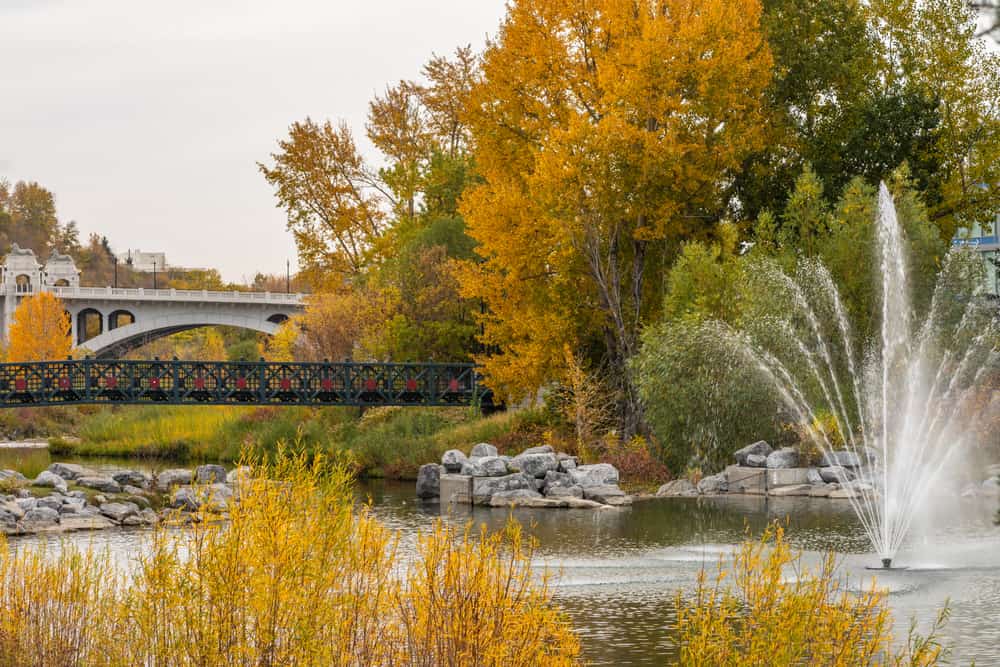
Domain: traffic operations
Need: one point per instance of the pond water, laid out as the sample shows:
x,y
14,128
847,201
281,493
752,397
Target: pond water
x,y
619,570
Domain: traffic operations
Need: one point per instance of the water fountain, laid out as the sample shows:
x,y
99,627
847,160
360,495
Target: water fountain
x,y
902,405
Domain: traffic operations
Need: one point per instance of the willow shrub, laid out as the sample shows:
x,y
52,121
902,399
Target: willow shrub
x,y
297,576
769,608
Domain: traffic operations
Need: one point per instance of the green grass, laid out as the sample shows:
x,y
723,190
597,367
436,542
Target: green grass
x,y
381,442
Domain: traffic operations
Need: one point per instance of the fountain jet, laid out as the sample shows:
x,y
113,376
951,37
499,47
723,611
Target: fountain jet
x,y
901,409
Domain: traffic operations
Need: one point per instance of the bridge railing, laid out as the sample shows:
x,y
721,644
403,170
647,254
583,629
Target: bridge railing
x,y
141,293
223,382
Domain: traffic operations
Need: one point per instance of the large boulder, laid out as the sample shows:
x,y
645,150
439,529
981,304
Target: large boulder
x,y
210,474
756,461
786,457
70,471
536,464
567,462
760,448
103,484
51,480
713,484
493,466
472,469
596,474
483,488
429,481
132,478
813,476
840,457
554,478
118,512
513,497
238,475
608,494
53,502
13,509
540,449
564,491
185,499
837,474
483,449
453,459
677,488
216,497
40,517
167,479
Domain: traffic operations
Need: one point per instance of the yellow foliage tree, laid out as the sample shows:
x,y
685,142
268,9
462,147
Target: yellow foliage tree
x,y
603,131
41,329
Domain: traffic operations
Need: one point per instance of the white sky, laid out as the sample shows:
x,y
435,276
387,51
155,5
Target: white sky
x,y
146,118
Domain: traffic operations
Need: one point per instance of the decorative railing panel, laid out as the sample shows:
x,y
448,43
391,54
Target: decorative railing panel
x,y
253,382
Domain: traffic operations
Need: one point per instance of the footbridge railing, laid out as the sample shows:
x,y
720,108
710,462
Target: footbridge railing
x,y
175,382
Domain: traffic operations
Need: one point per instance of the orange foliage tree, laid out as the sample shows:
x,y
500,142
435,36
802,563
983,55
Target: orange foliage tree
x,y
41,329
604,132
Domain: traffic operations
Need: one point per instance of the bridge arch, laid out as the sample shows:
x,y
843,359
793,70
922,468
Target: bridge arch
x,y
116,342
278,318
120,318
89,325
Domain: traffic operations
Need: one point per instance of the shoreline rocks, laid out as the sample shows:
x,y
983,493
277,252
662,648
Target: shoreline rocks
x,y
537,477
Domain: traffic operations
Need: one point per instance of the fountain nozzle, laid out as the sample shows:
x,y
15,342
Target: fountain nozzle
x,y
887,563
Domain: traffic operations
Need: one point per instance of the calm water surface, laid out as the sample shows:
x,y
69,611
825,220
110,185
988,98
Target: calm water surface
x,y
619,570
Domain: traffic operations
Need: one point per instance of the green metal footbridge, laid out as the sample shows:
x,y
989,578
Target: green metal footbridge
x,y
174,382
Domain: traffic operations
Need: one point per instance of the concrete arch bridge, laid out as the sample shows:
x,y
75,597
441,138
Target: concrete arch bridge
x,y
110,321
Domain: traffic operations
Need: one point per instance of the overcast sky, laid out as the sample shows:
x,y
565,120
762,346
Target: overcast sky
x,y
146,118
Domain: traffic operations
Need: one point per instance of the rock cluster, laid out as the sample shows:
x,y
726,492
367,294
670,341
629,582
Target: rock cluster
x,y
537,477
761,470
80,500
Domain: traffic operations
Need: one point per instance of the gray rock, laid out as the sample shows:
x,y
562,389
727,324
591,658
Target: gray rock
x,y
483,449
573,491
210,474
429,481
40,517
238,475
472,469
677,488
786,457
597,474
493,466
133,490
100,499
813,476
50,479
713,484
554,479
167,479
541,449
70,471
117,512
514,497
8,523
133,521
756,461
568,463
132,478
184,498
216,497
761,448
602,493
53,502
12,508
483,488
141,501
840,458
149,517
72,506
791,490
539,484
536,464
452,460
105,484
12,474
27,504
836,474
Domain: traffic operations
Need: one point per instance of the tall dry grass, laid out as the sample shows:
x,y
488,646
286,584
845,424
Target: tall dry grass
x,y
297,576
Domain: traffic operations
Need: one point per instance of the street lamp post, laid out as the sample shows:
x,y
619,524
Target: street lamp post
x,y
154,274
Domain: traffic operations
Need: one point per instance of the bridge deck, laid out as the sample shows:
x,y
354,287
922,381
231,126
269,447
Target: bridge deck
x,y
174,382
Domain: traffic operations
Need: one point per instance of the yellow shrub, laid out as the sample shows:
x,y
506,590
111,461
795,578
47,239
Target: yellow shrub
x,y
297,576
777,611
